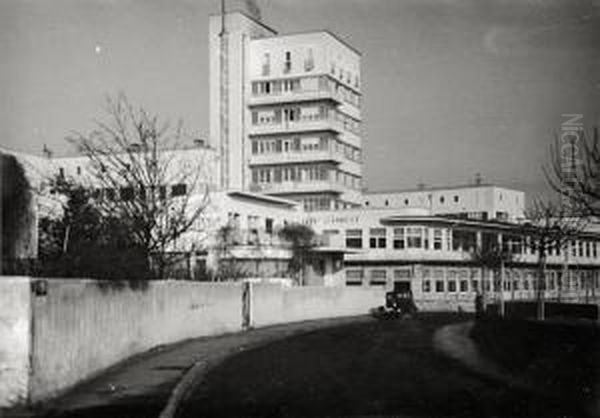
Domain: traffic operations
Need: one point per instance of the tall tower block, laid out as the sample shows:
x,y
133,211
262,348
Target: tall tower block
x,y
229,36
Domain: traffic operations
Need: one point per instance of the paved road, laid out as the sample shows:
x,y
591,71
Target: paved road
x,y
378,368
141,387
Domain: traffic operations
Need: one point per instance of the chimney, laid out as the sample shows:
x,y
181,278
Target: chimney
x,y
478,179
199,142
421,186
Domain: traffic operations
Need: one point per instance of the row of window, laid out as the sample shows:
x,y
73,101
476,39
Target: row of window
x,y
253,222
307,144
409,237
515,282
305,85
455,240
313,203
307,63
304,173
303,114
130,193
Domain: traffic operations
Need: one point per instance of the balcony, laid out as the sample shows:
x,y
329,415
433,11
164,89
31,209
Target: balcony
x,y
294,97
289,187
304,125
295,157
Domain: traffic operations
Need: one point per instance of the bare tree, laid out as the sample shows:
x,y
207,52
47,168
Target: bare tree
x,y
139,174
492,258
574,170
550,226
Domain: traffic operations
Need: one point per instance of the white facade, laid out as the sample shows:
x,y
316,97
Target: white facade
x,y
285,112
471,201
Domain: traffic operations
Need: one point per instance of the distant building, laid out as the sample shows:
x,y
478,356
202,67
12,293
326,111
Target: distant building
x,y
433,257
473,201
285,112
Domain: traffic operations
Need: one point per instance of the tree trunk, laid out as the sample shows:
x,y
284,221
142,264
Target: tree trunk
x,y
501,302
541,287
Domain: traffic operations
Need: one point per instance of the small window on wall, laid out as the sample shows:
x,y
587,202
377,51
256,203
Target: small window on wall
x,y
464,286
439,286
377,238
378,278
354,238
452,286
287,65
426,286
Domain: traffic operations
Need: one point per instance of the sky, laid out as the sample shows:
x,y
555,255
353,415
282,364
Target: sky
x,y
451,87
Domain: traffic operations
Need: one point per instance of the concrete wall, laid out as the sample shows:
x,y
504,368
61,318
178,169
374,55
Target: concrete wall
x,y
80,329
73,329
15,314
274,304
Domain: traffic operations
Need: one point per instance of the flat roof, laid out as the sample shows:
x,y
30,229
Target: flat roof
x,y
262,197
438,188
308,32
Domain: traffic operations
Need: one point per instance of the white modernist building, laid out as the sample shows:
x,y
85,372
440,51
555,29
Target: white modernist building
x,y
285,147
285,112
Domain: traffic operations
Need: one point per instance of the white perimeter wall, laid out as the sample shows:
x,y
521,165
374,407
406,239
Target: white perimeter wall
x,y
48,343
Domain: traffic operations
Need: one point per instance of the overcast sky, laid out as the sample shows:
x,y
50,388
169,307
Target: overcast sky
x,y
451,87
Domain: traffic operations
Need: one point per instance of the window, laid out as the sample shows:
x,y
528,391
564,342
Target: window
x,y
266,65
287,65
378,278
452,286
439,286
354,238
78,170
354,277
437,239
455,199
413,237
442,199
402,274
162,192
587,249
464,286
269,225
309,62
179,190
377,238
426,286
399,238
